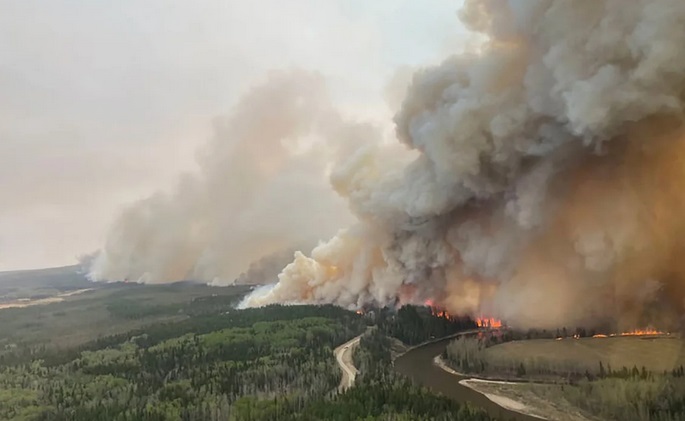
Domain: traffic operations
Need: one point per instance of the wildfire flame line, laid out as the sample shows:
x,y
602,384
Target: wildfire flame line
x,y
438,312
488,322
482,322
636,332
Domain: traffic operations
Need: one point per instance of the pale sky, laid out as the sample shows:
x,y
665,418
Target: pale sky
x,y
104,102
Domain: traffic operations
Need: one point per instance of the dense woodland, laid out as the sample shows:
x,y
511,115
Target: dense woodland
x,y
224,364
382,393
199,369
416,324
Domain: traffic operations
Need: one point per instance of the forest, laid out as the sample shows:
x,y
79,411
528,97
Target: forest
x,y
218,363
417,324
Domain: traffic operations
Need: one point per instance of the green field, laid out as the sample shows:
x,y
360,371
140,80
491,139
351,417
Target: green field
x,y
655,353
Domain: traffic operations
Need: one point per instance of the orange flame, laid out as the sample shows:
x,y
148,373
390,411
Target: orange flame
x,y
640,332
488,322
437,311
443,313
636,332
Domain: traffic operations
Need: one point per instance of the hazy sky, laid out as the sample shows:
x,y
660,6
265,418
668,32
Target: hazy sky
x,y
104,102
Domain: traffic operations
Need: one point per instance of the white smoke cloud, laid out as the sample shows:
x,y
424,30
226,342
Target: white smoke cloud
x,y
515,147
106,102
260,192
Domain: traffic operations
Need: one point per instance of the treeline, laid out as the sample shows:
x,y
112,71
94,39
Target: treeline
x,y
630,394
215,317
126,307
416,324
635,398
469,355
410,324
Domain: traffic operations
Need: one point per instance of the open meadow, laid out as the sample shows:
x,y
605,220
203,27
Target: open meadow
x,y
655,353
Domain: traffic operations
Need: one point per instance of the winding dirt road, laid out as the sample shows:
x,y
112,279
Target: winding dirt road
x,y
343,354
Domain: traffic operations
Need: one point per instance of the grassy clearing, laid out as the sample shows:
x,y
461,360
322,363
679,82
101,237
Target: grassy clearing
x,y
654,353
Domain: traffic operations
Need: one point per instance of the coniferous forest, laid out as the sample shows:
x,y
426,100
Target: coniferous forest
x,y
272,363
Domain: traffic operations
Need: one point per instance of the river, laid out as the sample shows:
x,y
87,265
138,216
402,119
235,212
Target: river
x,y
417,364
27,302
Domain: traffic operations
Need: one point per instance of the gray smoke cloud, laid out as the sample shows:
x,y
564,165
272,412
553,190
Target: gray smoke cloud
x,y
261,192
544,182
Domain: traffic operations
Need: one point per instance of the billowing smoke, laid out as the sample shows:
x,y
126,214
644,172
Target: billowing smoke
x,y
261,192
547,182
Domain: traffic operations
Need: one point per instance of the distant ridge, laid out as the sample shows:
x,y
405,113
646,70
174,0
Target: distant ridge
x,y
33,283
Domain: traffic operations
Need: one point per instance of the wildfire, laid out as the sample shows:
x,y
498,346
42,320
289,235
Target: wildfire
x,y
442,313
439,312
636,332
640,332
488,322
435,310
482,322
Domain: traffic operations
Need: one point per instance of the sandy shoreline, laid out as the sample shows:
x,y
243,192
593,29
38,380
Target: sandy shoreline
x,y
502,401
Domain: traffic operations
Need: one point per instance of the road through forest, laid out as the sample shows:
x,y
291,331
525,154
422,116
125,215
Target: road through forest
x,y
343,354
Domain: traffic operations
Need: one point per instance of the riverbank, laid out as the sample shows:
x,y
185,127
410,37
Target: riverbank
x,y
514,396
503,401
436,340
417,365
26,302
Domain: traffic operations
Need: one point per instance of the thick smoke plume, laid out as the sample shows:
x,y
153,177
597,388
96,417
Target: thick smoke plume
x,y
547,186
261,192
